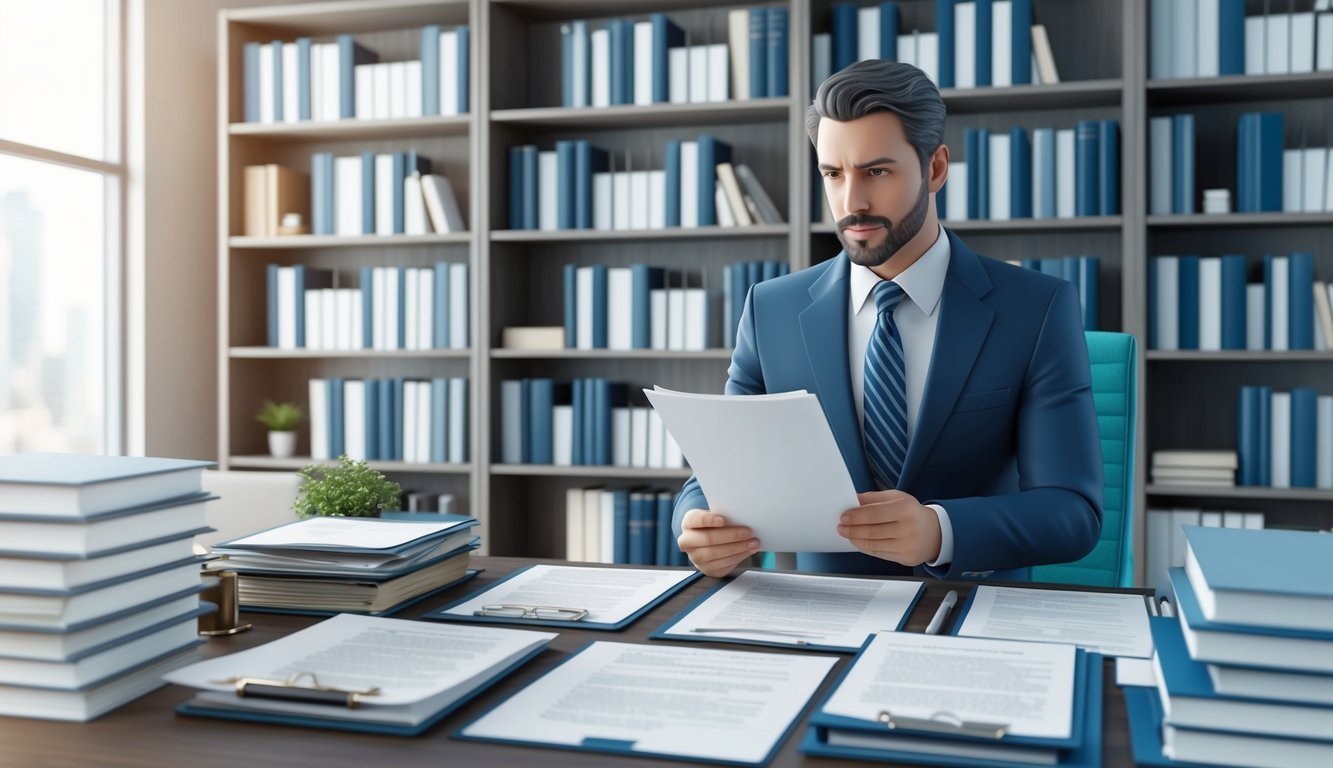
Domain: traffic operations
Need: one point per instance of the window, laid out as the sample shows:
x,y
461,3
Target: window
x,y
61,182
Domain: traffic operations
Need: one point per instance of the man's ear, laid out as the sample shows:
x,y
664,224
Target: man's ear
x,y
938,168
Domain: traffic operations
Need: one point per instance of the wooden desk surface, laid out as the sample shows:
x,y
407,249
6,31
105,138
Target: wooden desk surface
x,y
148,732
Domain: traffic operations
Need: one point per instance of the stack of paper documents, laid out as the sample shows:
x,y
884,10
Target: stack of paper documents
x,y
99,586
943,700
335,564
359,673
1245,673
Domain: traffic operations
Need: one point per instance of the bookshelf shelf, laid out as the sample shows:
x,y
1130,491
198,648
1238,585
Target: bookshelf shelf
x,y
298,462
345,241
270,353
616,473
1241,492
608,354
1070,95
1239,88
1240,356
647,115
348,130
1241,220
671,233
332,18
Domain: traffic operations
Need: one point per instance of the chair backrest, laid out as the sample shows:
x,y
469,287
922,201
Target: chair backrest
x,y
1115,395
247,502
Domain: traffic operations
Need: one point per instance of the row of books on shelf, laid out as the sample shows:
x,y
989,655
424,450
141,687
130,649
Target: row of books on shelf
x,y
1083,271
655,61
1196,468
976,43
99,584
604,525
1205,303
418,421
1242,671
580,186
290,82
1171,187
391,193
1284,439
417,308
581,422
1054,174
1208,38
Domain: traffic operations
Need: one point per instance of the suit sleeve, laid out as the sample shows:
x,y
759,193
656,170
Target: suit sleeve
x,y
1056,515
744,377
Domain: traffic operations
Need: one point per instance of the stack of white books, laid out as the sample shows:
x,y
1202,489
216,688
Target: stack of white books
x,y
1244,676
99,585
1206,468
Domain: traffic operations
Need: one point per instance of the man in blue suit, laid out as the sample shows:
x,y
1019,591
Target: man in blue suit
x,y
957,387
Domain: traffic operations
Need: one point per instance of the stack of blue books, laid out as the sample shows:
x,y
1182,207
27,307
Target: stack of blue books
x,y
99,585
1245,674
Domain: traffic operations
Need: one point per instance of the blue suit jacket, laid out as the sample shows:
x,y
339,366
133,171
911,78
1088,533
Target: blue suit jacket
x,y
1006,438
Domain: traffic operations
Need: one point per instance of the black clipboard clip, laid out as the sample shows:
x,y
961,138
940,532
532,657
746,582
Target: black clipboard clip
x,y
291,690
946,723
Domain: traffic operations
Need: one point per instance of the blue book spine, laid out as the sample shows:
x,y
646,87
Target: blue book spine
x,y
1020,176
440,330
1300,301
1152,304
320,223
1053,266
616,34
278,114
578,395
567,65
330,191
367,308
529,186
1246,441
272,304
1231,37
1233,302
349,55
769,270
1020,30
303,78
430,69
1265,435
666,35
972,148
1108,171
985,14
758,53
1270,161
402,307
599,302
983,173
564,174
1089,285
1188,306
368,193
711,152
1303,436
1182,164
540,409
665,542
1246,199
299,299
622,59
250,67
754,273
384,424
439,408
462,70
944,28
336,447
588,160
372,405
571,274
673,183
739,288
643,280
1086,183
1044,148
777,52
399,385
400,173
524,421
1268,301
639,543
620,522
844,39
888,31
516,188
602,421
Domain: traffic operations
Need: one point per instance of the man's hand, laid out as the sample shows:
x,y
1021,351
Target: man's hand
x,y
714,546
892,525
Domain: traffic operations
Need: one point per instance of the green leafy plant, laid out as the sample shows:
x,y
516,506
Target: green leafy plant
x,y
350,489
279,417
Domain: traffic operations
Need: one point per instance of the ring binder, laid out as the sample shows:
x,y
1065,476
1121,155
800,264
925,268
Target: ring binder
x,y
288,690
944,722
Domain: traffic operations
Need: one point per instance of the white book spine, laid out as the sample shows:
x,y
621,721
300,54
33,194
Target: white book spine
x,y
676,319
1280,448
965,45
583,293
999,176
620,196
1179,519
459,307
316,82
1159,129
671,454
425,309
738,38
458,426
1254,521
619,313
286,307
1159,547
821,59
319,419
328,318
357,328
718,72
638,200
656,199
1256,38
867,33
562,435
414,206
1314,179
267,81
620,437
384,194
397,90
928,55
365,91
448,78
689,183
1185,33
678,81
1233,519
1002,58
601,200
607,541
1167,302
1255,311
956,191
1064,173
547,191
1210,303
380,109
354,419
574,524
347,195
1302,43
1293,163
1277,312
412,96
1209,36
392,296
658,301
592,525
313,322
638,455
347,299
411,419
1277,33
332,96
428,418
291,76
1324,42
601,67
656,442
1324,439
696,319
725,217
643,63
907,49
411,308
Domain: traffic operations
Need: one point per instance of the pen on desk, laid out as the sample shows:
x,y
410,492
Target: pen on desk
x,y
942,613
1165,609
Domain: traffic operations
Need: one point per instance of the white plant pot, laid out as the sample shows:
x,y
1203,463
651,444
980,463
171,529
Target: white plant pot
x,y
282,445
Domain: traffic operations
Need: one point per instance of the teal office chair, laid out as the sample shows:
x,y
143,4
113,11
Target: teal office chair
x,y
1115,397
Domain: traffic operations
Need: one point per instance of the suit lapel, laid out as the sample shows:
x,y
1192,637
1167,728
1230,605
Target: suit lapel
x,y
824,330
964,324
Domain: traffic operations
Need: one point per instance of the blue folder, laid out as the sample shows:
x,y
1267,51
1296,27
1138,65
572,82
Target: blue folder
x,y
441,614
1144,708
461,523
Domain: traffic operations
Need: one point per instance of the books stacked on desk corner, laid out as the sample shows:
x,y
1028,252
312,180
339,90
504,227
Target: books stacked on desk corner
x,y
326,565
1245,672
1201,468
99,584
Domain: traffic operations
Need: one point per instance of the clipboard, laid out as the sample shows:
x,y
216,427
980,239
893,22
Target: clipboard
x,y
442,614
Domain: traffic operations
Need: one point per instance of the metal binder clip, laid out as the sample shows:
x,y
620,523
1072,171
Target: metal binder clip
x,y
220,588
288,690
944,722
539,612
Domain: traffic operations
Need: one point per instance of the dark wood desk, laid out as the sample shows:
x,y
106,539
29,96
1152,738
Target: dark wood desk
x,y
148,732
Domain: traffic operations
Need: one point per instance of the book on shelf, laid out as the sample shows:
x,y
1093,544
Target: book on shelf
x,y
620,526
391,419
1281,438
271,192
533,337
1224,460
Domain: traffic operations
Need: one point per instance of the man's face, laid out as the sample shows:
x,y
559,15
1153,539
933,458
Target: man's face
x,y
875,188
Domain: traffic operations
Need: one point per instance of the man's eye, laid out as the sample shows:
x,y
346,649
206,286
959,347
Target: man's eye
x,y
831,174
879,171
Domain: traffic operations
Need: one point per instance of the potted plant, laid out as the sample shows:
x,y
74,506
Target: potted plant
x,y
349,489
281,420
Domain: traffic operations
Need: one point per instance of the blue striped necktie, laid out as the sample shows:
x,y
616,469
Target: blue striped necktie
x,y
886,391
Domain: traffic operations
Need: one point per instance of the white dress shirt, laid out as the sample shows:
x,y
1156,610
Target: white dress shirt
x,y
917,319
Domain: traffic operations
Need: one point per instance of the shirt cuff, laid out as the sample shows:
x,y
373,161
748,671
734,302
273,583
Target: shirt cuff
x,y
946,538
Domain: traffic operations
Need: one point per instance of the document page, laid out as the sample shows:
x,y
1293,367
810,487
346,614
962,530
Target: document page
x,y
341,532
766,461
687,702
800,610
1111,624
1027,686
610,595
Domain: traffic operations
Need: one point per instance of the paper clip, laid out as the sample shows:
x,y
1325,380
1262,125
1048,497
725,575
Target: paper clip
x,y
289,690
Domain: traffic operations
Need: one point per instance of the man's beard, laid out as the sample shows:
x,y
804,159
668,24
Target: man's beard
x,y
895,235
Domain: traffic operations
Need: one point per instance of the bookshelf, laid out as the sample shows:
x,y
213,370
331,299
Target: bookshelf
x,y
1100,46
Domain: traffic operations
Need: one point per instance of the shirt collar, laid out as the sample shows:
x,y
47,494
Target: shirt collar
x,y
923,282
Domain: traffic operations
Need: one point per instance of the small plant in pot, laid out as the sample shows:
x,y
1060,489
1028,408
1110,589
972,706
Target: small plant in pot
x,y
349,489
281,420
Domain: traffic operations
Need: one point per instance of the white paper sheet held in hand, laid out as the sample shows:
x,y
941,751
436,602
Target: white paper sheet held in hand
x,y
766,461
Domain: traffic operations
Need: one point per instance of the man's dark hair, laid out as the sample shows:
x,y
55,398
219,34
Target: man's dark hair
x,y
875,85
